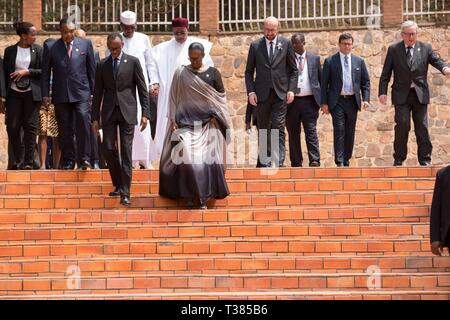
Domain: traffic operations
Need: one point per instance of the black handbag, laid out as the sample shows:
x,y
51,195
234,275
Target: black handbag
x,y
23,84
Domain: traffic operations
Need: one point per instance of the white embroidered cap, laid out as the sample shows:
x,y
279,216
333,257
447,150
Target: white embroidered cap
x,y
128,18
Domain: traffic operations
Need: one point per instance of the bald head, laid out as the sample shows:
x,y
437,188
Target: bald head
x,y
79,33
270,28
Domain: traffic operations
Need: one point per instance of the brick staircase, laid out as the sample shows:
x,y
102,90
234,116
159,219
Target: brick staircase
x,y
293,234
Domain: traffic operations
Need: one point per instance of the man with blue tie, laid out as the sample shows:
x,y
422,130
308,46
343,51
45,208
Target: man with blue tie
x,y
72,62
345,90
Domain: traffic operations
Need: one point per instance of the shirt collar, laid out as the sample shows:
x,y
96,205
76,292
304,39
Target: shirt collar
x,y
274,41
406,46
303,55
120,56
343,55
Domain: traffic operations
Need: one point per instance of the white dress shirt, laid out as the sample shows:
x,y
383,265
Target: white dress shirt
x,y
303,77
274,45
343,92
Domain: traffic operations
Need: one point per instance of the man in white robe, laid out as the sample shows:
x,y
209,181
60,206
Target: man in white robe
x,y
168,56
138,44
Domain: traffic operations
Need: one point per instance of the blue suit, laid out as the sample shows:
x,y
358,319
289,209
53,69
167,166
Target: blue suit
x,y
344,109
72,87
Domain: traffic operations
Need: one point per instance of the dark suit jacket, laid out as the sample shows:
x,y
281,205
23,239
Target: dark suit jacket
x,y
314,74
440,207
120,91
73,79
281,74
2,80
35,68
403,75
332,80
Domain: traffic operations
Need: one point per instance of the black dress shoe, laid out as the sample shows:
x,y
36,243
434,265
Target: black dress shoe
x,y
398,163
296,165
314,164
12,167
26,166
425,163
346,164
96,165
84,165
125,200
339,164
117,192
69,166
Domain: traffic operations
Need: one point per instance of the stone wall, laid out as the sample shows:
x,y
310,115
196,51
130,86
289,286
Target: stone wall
x,y
375,126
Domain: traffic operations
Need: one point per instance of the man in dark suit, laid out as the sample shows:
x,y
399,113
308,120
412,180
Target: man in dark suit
x,y
345,89
73,64
117,78
305,108
409,60
440,212
273,59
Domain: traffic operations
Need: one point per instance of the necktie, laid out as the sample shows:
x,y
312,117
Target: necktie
x,y
115,67
409,56
271,51
69,50
347,76
300,65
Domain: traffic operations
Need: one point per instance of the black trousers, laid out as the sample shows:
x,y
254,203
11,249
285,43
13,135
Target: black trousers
x,y
65,113
403,126
22,113
303,111
344,115
120,173
271,116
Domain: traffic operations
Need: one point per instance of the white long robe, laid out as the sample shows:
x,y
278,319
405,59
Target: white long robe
x,y
140,47
168,56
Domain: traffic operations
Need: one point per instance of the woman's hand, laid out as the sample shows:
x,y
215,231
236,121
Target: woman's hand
x,y
174,125
17,75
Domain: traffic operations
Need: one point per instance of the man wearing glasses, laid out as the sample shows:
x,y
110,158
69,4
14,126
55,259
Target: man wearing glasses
x,y
168,56
409,60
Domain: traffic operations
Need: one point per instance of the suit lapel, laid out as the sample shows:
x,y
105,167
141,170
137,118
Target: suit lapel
x,y
263,47
309,63
355,68
276,50
337,59
122,65
33,55
416,55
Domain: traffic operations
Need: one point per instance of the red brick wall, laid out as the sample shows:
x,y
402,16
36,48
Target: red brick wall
x,y
32,12
392,13
209,16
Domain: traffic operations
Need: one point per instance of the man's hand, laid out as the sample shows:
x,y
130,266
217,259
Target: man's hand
x,y
95,128
252,99
17,75
383,99
325,109
154,89
46,101
437,248
447,72
144,122
214,122
290,97
365,105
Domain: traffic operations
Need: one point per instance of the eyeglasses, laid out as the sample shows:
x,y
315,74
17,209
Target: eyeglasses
x,y
413,34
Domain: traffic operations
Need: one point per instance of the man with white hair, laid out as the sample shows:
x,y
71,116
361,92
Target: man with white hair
x,y
168,56
137,44
409,60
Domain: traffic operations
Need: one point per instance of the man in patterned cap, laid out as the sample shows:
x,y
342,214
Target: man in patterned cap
x,y
168,56
137,44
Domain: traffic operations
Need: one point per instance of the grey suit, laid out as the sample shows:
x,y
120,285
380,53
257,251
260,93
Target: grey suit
x,y
119,109
272,82
344,109
407,99
304,110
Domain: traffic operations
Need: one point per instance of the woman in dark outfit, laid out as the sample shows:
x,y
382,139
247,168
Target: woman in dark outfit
x,y
193,158
22,68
